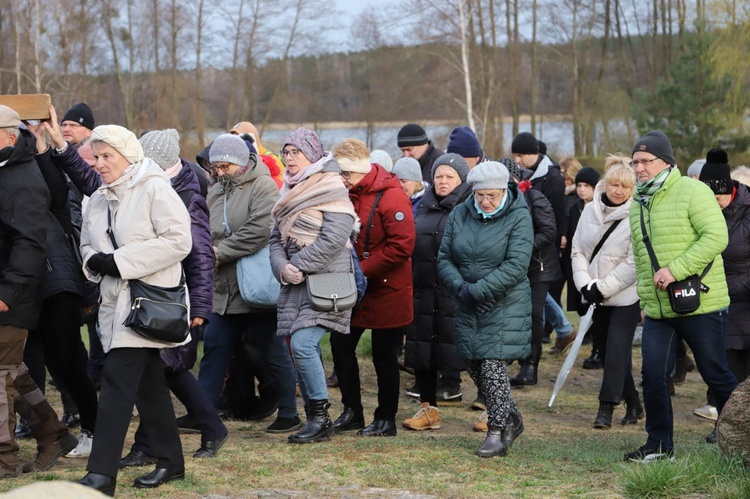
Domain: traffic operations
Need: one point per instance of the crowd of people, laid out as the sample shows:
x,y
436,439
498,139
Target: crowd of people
x,y
465,260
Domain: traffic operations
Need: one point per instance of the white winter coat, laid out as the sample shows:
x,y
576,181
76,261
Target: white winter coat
x,y
152,229
613,267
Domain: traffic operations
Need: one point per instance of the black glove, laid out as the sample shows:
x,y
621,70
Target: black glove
x,y
484,307
464,295
592,294
104,263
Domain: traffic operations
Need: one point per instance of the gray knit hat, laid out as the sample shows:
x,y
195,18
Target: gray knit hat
x,y
228,148
455,161
488,175
162,146
656,143
382,158
408,169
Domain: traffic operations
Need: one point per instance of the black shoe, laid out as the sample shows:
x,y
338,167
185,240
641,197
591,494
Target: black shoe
x,y
103,483
412,391
136,458
70,419
633,413
479,404
647,454
546,338
284,425
185,424
379,428
319,426
527,376
449,396
603,419
515,428
332,381
349,420
22,429
494,443
711,438
210,448
158,477
593,361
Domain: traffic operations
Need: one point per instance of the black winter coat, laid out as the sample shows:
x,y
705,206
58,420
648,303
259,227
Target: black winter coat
x,y
429,339
574,297
24,205
545,261
737,268
427,160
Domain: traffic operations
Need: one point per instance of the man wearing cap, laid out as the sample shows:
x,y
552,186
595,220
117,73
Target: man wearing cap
x,y
685,234
24,201
463,141
547,176
77,124
414,143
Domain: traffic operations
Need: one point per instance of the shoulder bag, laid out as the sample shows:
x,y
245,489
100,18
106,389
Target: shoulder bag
x,y
156,312
684,295
258,286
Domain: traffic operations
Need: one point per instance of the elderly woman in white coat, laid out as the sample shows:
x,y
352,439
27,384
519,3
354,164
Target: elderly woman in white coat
x,y
151,229
604,272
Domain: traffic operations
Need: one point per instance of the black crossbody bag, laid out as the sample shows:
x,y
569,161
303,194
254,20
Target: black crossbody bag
x,y
684,295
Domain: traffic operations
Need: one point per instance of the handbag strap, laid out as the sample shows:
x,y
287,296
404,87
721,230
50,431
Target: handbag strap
x,y
110,232
599,245
366,250
654,262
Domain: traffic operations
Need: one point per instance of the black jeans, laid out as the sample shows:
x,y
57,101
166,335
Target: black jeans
x,y
385,347
134,376
427,382
614,328
538,296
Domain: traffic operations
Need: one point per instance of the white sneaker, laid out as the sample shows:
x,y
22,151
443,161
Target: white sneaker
x,y
83,449
707,412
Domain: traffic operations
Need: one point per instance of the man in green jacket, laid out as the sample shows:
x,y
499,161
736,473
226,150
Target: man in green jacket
x,y
687,232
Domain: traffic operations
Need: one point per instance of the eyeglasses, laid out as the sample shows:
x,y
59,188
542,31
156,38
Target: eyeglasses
x,y
487,197
70,124
224,167
345,175
643,162
292,153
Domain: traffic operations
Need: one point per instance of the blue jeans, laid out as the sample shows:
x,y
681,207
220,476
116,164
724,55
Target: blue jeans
x,y
705,335
555,316
224,333
305,345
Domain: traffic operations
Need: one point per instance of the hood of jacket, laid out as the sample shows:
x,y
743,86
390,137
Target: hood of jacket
x,y
609,213
379,179
23,150
186,180
136,174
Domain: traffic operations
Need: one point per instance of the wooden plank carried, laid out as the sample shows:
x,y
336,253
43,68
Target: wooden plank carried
x,y
28,106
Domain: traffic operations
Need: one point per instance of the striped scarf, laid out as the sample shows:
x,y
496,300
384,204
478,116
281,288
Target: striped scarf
x,y
645,191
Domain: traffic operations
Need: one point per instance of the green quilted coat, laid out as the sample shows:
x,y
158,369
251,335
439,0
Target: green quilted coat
x,y
493,256
687,231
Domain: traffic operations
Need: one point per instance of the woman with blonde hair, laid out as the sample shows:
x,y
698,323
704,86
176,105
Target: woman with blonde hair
x,y
604,272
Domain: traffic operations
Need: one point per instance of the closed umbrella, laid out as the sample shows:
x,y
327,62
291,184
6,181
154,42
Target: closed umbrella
x,y
584,326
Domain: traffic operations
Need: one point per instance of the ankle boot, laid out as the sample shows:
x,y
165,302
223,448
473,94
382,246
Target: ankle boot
x,y
494,443
604,416
515,428
319,425
527,376
633,412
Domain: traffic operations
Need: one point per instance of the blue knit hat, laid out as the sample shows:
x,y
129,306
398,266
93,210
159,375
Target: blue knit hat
x,y
463,141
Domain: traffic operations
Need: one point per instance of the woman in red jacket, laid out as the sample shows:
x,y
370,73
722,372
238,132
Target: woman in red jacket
x,y
384,247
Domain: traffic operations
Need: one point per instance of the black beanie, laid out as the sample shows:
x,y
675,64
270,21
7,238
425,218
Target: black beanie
x,y
81,114
463,141
525,143
715,173
513,168
587,175
656,143
542,148
412,135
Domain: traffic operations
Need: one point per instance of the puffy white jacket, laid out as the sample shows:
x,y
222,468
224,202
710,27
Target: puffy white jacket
x,y
613,267
152,229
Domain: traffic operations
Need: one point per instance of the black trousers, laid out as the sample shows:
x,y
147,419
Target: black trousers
x,y
134,376
614,328
538,297
427,382
386,344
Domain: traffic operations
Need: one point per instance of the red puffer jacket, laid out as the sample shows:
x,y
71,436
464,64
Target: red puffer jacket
x,y
388,302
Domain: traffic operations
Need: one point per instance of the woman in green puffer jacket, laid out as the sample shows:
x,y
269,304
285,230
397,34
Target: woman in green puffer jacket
x,y
484,260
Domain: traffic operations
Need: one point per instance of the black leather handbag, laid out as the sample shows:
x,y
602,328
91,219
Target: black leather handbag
x,y
156,312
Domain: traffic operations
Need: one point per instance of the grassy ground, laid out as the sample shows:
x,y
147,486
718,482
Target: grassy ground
x,y
559,455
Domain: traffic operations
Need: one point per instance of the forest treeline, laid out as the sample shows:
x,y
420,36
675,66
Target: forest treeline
x,y
613,68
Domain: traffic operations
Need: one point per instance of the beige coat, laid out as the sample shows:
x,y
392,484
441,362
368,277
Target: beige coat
x,y
152,230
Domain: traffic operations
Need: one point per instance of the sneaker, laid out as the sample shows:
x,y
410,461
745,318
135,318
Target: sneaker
x,y
479,404
647,454
481,425
22,429
563,344
707,412
448,396
593,361
47,456
426,418
284,425
711,438
83,449
412,392
70,419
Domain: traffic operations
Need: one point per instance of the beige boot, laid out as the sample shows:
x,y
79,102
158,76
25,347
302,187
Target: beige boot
x,y
481,425
426,418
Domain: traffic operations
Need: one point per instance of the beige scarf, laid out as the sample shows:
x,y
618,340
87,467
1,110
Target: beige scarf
x,y
299,211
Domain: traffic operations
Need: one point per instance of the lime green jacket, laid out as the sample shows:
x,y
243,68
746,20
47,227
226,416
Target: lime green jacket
x,y
687,231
